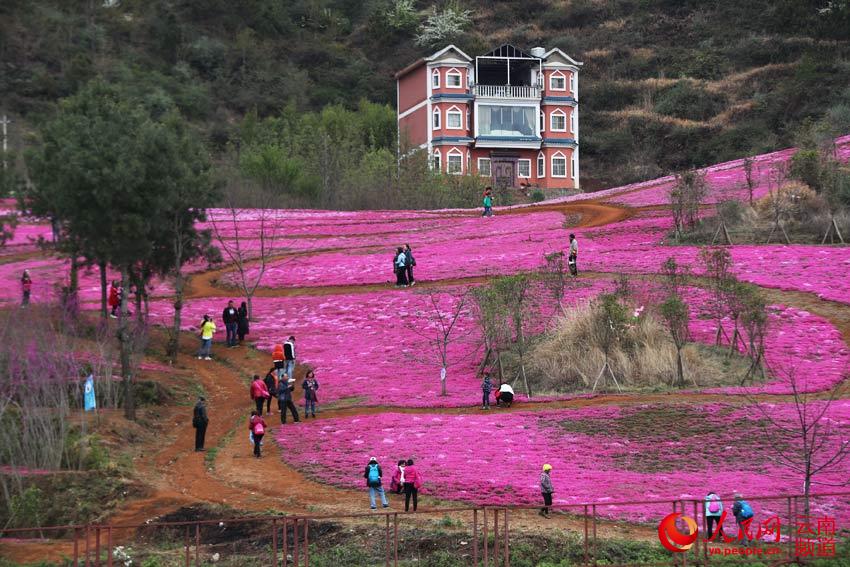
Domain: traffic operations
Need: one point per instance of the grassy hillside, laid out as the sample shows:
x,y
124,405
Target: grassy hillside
x,y
667,83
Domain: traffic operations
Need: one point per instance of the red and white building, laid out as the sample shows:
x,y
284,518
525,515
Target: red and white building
x,y
507,114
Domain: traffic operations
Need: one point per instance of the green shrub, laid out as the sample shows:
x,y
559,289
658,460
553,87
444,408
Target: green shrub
x,y
685,100
537,196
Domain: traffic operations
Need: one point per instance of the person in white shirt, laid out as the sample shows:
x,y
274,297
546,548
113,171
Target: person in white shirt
x,y
573,257
506,395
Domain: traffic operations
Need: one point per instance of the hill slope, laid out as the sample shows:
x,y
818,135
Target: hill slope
x,y
666,83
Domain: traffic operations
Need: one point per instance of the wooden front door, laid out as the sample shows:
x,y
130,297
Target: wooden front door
x,y
504,173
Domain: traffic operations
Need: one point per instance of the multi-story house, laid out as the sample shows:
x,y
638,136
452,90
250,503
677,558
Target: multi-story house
x,y
507,114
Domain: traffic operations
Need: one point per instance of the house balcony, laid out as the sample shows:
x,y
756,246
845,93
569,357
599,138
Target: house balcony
x,y
507,91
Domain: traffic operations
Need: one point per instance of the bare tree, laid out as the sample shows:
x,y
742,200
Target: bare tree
x,y
437,323
779,207
235,248
749,178
686,197
718,264
553,275
811,442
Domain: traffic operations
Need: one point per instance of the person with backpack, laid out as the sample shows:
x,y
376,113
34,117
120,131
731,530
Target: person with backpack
x,y
572,259
412,484
271,386
284,400
259,393
278,361
310,386
398,266
372,475
546,490
743,513
199,422
488,202
289,357
397,481
257,426
231,323
242,326
486,388
207,332
713,512
409,262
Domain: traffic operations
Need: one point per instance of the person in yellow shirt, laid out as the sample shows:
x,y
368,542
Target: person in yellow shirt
x,y
207,331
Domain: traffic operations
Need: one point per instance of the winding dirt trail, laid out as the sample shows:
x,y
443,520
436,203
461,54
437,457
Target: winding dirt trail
x,y
178,476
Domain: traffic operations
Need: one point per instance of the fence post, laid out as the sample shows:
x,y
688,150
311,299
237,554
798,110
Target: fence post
x,y
790,532
76,547
594,534
507,548
97,545
306,543
197,545
685,555
109,546
295,550
496,546
387,539
285,542
188,545
486,558
395,539
475,537
274,542
586,530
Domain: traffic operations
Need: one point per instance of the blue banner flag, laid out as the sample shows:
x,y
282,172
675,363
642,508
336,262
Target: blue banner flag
x,y
88,396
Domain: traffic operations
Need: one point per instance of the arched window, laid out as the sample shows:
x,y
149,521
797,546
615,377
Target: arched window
x,y
454,118
454,162
435,79
541,165
559,165
558,121
436,119
557,81
436,162
454,80
542,121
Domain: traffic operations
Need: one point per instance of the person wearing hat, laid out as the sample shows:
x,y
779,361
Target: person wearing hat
x,y
546,489
743,513
199,422
373,481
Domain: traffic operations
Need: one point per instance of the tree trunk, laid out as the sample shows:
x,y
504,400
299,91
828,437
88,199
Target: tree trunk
x,y
124,342
250,304
807,486
680,370
103,311
443,381
174,340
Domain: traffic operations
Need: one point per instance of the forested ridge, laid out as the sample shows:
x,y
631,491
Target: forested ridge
x,y
666,84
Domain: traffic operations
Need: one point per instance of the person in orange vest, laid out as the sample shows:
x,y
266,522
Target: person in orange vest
x,y
278,360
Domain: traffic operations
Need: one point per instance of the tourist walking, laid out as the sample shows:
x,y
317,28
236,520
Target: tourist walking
x,y
231,323
278,361
242,327
199,422
284,400
397,481
207,332
373,481
486,388
289,357
26,288
572,259
399,266
271,385
743,513
257,426
409,262
713,512
412,484
310,386
259,393
546,490
114,300
488,202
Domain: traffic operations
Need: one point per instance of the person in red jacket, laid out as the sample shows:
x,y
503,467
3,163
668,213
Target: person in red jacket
x,y
397,481
257,426
412,484
259,393
114,300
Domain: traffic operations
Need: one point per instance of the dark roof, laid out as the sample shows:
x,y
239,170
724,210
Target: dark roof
x,y
508,50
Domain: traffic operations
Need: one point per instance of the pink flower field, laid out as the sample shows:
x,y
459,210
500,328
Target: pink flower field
x,y
370,347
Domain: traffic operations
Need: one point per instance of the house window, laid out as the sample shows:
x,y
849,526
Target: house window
x,y
558,121
559,165
573,121
512,121
541,166
454,119
435,162
574,85
454,162
523,168
435,79
542,121
436,119
484,167
557,82
453,79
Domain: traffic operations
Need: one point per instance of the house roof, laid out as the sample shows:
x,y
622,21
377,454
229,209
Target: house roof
x,y
558,52
433,57
508,50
